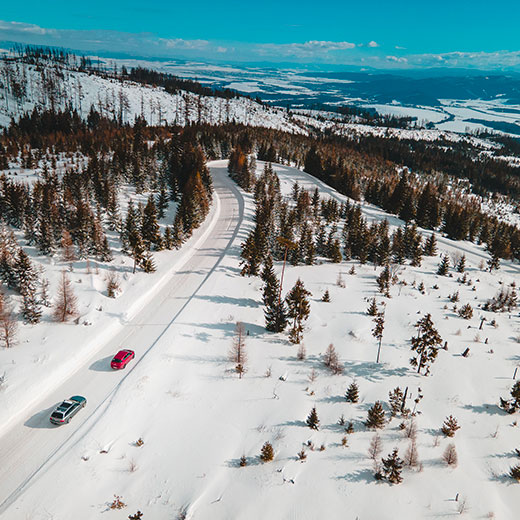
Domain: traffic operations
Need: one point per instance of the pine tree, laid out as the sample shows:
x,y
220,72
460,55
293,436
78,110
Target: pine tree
x,y
392,467
514,473
267,452
377,331
430,247
27,280
162,200
450,426
444,266
395,398
352,393
326,296
375,416
298,310
461,264
65,305
150,230
312,420
512,405
383,281
275,311
425,344
372,308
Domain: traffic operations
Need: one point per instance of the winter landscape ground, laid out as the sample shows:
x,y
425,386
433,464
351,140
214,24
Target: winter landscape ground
x,y
196,418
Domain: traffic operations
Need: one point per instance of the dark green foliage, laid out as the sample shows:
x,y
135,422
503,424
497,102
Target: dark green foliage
x,y
513,404
375,416
383,281
514,473
312,420
392,467
352,393
444,266
326,296
267,452
430,247
450,426
395,399
298,309
466,311
461,264
425,344
372,308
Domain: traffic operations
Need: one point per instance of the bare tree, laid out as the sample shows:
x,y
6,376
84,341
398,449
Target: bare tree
x,y
65,306
331,360
237,353
8,325
450,455
375,448
411,457
68,254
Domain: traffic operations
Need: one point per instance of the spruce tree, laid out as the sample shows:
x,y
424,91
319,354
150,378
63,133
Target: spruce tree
x,y
27,281
375,416
352,393
450,426
298,310
312,420
430,247
150,230
426,344
461,264
395,398
444,266
392,467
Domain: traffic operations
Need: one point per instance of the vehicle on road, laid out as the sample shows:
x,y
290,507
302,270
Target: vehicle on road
x,y
65,411
122,358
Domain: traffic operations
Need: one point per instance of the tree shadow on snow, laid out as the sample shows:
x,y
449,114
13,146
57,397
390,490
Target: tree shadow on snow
x,y
363,475
241,302
489,409
250,461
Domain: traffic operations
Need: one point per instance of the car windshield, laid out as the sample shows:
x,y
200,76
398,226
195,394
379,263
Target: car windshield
x,y
115,360
57,415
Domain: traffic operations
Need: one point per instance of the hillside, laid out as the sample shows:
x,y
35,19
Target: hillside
x,y
197,418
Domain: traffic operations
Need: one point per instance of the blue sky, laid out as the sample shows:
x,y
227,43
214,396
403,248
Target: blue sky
x,y
398,33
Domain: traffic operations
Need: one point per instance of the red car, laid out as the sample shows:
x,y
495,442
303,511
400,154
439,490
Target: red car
x,y
122,358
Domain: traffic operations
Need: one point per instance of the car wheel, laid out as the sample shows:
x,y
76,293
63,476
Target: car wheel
x,y
68,420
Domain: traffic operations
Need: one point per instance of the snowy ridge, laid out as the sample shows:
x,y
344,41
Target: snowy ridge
x,y
112,98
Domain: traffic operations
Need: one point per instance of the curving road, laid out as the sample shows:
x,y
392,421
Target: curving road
x,y
28,447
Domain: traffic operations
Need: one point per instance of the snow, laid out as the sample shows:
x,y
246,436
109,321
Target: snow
x,y
197,418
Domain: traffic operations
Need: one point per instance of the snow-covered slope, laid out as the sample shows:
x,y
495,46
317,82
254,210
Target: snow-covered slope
x,y
46,88
197,418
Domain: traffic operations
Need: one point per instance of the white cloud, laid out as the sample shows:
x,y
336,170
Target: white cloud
x,y
179,43
27,28
309,49
373,44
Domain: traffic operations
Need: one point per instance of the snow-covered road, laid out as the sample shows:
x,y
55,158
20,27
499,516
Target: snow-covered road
x,y
32,445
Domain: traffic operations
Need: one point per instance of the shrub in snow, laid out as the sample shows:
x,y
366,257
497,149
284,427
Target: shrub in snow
x,y
396,402
331,360
450,426
466,311
136,516
302,455
243,461
375,416
117,503
312,420
326,296
267,452
450,455
372,308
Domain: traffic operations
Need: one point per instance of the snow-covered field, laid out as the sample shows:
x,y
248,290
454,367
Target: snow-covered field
x,y
197,418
